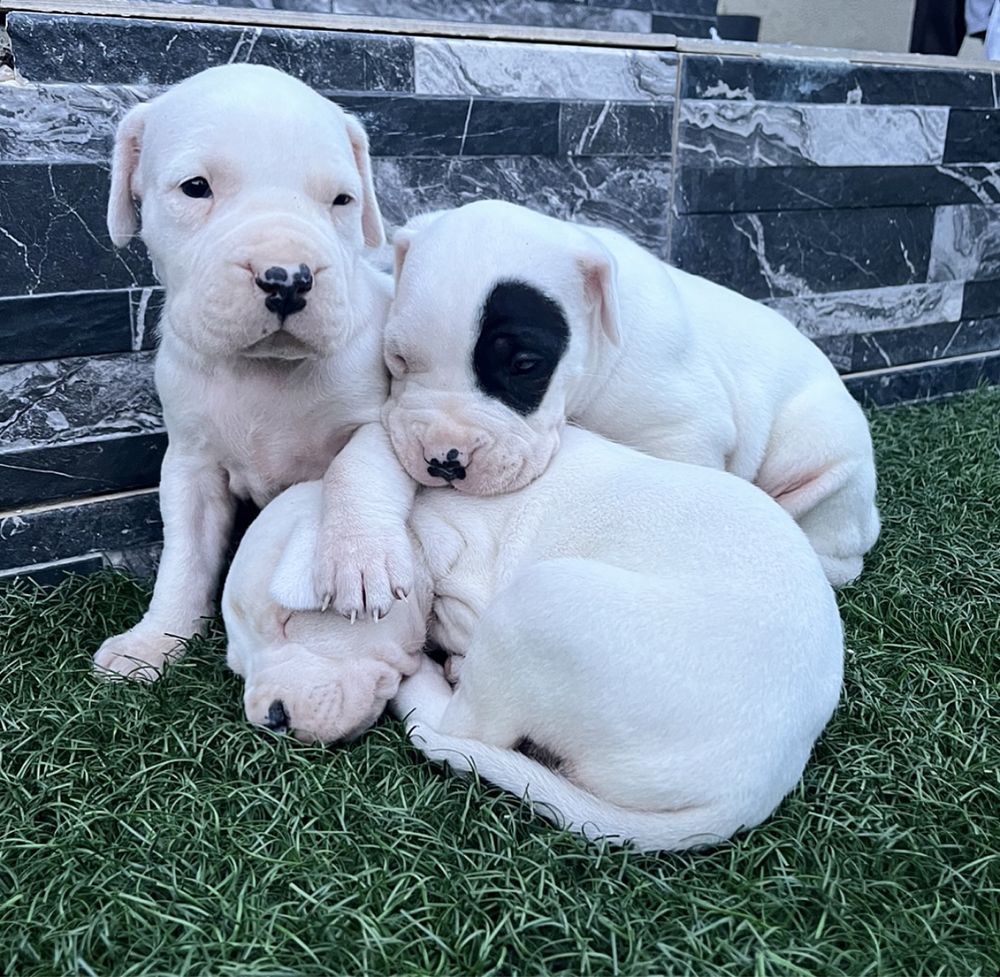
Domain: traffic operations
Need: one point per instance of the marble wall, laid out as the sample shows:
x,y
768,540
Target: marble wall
x,y
690,18
862,201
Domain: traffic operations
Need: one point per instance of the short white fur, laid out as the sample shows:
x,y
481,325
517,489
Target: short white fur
x,y
676,645
663,361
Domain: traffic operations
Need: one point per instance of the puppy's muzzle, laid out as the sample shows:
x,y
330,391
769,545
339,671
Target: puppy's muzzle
x,y
285,286
451,469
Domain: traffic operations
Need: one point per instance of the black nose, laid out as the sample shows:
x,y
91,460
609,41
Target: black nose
x,y
451,469
285,286
277,718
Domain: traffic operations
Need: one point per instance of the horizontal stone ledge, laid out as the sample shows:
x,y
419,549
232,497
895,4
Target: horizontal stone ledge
x,y
867,351
924,381
757,189
42,534
801,79
80,468
69,324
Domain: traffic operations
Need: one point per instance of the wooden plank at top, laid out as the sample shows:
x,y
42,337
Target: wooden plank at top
x,y
255,17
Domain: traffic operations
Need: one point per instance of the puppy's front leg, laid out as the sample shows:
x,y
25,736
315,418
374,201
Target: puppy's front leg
x,y
364,557
197,511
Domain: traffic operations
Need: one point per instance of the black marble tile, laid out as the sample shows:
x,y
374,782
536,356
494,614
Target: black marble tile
x,y
796,80
65,48
34,536
973,136
981,300
52,574
616,129
631,195
401,125
797,252
738,189
739,27
43,327
898,347
69,471
928,381
53,232
683,25
839,350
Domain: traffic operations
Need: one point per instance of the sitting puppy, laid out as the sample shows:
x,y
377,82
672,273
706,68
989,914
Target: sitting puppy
x,y
664,631
506,324
270,360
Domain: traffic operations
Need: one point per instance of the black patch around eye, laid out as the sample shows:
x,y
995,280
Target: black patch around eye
x,y
197,187
523,335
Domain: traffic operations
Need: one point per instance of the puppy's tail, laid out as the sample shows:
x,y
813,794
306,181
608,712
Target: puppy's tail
x,y
567,805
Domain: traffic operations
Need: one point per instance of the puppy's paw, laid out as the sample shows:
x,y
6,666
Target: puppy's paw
x,y
139,655
364,574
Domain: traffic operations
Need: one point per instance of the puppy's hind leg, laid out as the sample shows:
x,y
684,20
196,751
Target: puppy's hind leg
x,y
820,468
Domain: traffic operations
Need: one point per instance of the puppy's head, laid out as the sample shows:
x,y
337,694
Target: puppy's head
x,y
328,692
499,313
256,202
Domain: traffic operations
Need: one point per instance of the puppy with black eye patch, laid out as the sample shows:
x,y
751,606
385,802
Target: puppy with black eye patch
x,y
507,324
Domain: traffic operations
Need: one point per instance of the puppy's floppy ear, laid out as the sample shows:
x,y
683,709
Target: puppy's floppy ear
x,y
401,242
292,583
371,216
124,161
600,286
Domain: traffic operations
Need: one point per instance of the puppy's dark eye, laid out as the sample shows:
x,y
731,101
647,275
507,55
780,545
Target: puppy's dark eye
x,y
342,200
524,363
198,187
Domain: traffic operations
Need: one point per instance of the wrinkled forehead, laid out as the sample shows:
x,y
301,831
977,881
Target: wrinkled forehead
x,y
447,282
283,128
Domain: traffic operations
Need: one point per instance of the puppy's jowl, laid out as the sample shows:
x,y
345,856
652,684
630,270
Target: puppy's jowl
x,y
506,324
664,630
256,207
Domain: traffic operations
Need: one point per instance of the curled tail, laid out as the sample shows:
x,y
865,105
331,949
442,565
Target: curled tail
x,y
565,804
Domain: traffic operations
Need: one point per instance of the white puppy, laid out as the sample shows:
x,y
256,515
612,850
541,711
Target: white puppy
x,y
257,205
506,324
663,631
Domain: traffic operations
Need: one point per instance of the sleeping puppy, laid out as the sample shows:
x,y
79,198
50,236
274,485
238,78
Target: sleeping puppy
x,y
506,324
664,631
257,206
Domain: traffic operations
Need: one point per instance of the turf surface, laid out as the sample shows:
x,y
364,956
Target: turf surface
x,y
150,831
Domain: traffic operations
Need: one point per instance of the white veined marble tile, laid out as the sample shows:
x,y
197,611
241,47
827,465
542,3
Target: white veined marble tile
x,y
541,71
872,310
966,243
60,401
716,133
63,123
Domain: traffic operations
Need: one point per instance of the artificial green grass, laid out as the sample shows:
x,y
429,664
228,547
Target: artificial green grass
x,y
148,830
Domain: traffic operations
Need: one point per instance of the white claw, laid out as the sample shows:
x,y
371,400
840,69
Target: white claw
x,y
375,616
326,602
354,616
401,595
